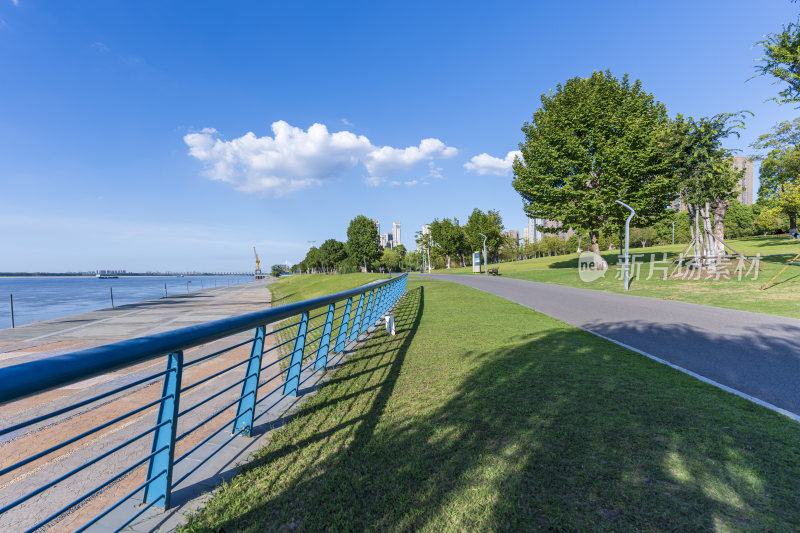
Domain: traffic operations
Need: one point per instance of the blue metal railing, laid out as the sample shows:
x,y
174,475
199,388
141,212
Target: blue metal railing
x,y
306,341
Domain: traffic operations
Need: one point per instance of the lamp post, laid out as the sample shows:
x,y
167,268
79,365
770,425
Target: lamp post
x,y
627,235
485,258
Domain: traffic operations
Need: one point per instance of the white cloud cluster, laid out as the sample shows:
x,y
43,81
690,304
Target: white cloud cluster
x,y
294,159
486,164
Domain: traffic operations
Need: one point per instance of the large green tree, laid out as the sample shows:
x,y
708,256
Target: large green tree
x,y
332,253
449,236
490,224
594,141
780,167
363,242
704,168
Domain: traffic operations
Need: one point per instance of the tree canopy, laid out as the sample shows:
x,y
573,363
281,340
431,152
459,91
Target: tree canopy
x,y
780,167
449,236
490,224
363,242
781,61
594,141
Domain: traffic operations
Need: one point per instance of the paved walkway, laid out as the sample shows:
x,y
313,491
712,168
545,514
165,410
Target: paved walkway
x,y
45,339
753,353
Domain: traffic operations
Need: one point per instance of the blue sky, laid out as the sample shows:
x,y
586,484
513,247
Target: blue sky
x,y
176,136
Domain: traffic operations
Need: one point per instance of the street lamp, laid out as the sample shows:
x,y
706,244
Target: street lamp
x,y
627,232
485,259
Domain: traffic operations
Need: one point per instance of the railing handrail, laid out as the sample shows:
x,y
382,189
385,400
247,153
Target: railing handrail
x,y
57,371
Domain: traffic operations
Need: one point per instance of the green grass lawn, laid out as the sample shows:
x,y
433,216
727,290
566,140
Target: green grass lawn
x,y
766,246
293,288
488,416
782,298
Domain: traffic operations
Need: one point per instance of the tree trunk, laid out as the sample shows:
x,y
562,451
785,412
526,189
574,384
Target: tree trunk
x,y
719,210
599,262
792,223
447,257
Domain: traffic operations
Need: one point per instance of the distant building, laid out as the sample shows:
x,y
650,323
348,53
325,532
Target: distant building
x,y
512,234
377,225
387,240
554,224
745,187
426,230
395,234
534,234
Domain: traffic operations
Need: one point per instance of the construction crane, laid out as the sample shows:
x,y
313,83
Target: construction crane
x,y
258,274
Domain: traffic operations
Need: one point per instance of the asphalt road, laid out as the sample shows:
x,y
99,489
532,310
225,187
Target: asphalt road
x,y
753,353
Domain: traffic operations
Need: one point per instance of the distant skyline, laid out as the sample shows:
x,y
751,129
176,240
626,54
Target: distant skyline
x,y
149,137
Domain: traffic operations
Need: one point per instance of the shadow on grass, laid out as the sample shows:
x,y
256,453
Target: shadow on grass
x,y
552,430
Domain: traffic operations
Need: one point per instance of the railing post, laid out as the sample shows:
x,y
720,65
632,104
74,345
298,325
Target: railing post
x,y
159,468
293,376
376,306
342,336
247,401
357,321
325,341
367,313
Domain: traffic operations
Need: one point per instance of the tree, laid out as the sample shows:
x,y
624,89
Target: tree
x,y
363,242
644,235
706,177
390,259
312,259
739,220
780,167
277,270
595,141
781,60
332,253
789,202
769,220
449,236
490,224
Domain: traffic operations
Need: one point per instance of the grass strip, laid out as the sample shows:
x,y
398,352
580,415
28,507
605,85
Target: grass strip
x,y
484,415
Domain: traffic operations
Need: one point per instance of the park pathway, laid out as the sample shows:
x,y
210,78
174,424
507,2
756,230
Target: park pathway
x,y
753,353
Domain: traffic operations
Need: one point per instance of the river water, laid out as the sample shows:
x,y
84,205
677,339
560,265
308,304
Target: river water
x,y
45,298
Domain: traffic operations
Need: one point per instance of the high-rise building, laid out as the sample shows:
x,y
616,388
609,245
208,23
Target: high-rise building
x,y
377,225
396,234
745,187
387,240
534,233
525,236
426,230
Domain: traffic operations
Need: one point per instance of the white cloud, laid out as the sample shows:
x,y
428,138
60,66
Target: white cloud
x,y
15,2
347,122
294,159
434,171
388,160
486,164
374,181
